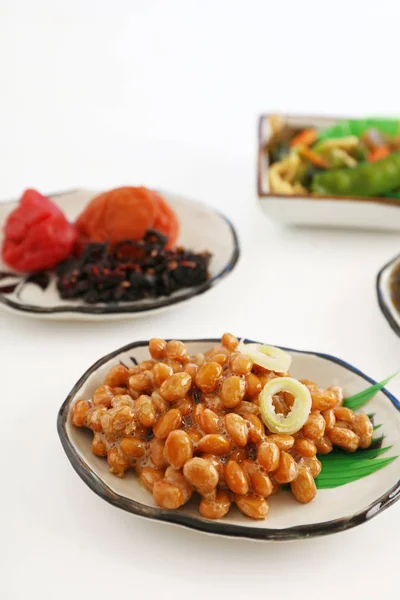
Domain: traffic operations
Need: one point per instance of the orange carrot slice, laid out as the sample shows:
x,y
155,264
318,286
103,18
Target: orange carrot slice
x,y
307,137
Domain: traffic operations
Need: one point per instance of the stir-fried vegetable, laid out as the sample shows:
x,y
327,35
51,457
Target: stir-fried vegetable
x,y
358,127
356,157
364,180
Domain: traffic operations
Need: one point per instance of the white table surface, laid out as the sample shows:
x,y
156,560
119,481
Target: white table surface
x,y
167,94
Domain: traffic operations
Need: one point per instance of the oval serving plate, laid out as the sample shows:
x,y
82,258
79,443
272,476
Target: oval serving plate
x,y
331,511
384,294
202,228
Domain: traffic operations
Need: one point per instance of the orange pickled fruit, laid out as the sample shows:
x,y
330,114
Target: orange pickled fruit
x,y
126,213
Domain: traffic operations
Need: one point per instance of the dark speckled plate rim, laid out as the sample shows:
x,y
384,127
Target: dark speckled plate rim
x,y
383,305
132,308
198,523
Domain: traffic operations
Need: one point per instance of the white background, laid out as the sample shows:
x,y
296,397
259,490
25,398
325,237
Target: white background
x,y
167,94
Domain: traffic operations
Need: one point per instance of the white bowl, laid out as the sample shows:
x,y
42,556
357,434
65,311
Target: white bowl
x,y
315,210
332,510
201,228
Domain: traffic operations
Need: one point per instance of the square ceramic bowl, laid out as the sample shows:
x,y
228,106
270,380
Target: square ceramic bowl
x,y
332,510
314,210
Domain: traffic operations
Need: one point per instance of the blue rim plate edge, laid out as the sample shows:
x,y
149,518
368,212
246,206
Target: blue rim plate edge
x,y
198,523
387,313
130,308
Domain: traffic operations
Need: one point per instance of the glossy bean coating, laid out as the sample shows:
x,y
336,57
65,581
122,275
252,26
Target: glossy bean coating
x,y
145,411
229,341
192,369
253,506
177,477
216,507
208,376
122,400
344,438
118,461
213,402
117,376
176,387
201,474
313,464
238,454
209,421
221,359
116,420
303,487
253,385
236,478
283,441
185,406
159,403
194,434
161,372
149,476
233,390
237,429
94,419
344,414
167,495
305,448
157,348
259,479
118,390
330,419
133,446
255,428
323,400
324,445
166,423
245,408
177,350
214,443
142,382
362,426
240,364
268,455
287,470
157,455
98,446
178,448
103,396
314,427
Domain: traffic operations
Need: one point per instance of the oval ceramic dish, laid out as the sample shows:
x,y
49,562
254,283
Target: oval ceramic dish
x,y
315,210
202,228
384,294
332,510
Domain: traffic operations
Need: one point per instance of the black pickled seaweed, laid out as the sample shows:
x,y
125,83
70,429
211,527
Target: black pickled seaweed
x,y
131,270
41,279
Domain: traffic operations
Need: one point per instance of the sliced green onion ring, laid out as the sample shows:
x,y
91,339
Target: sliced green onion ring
x,y
301,408
269,357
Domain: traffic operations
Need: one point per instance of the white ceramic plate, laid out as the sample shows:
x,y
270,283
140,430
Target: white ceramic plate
x,y
331,511
384,294
315,210
202,228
